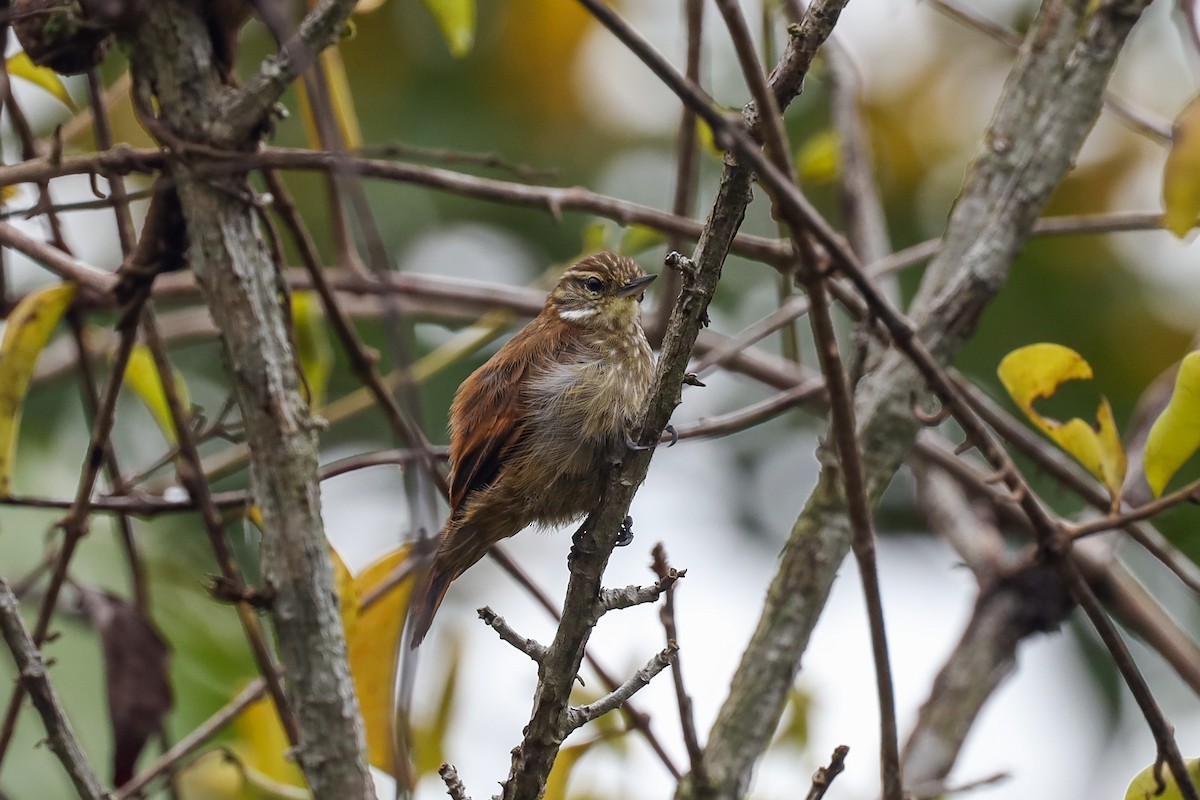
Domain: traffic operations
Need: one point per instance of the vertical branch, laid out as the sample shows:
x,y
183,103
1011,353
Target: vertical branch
x,y
191,475
171,56
687,165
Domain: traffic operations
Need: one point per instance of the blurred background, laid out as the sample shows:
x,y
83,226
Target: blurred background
x,y
545,86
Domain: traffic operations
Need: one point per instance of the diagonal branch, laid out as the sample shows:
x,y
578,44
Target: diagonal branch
x,y
31,667
248,109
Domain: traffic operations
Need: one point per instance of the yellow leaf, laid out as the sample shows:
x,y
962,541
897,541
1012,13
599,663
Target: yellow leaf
x,y
26,333
430,735
372,639
348,598
456,20
141,375
1035,372
560,774
1175,435
1144,786
315,353
819,160
1181,178
220,774
254,514
373,648
793,731
20,66
262,745
708,140
341,98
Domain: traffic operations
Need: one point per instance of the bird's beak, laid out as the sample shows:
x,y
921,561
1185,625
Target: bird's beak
x,y
635,286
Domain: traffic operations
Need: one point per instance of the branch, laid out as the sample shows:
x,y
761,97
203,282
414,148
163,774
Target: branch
x,y
527,646
31,667
553,199
170,52
824,776
1049,104
247,110
454,785
61,264
534,757
580,715
170,760
629,596
1022,603
666,615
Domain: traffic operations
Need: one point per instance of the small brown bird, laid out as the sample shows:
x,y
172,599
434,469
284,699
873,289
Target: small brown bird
x,y
530,430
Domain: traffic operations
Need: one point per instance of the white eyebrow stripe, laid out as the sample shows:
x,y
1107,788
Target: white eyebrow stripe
x,y
576,314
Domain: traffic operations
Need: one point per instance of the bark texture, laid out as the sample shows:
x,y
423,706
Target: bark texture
x,y
172,60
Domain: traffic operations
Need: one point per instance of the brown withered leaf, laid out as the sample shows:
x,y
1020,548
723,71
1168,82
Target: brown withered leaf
x,y
136,661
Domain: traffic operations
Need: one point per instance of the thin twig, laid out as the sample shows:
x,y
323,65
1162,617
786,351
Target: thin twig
x,y
529,647
74,526
454,785
170,761
1138,119
31,667
630,596
687,719
580,715
686,165
824,776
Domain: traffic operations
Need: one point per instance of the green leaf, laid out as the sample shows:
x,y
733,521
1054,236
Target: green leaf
x,y
1181,177
1175,435
595,237
25,335
638,239
19,65
456,19
141,376
1145,786
312,343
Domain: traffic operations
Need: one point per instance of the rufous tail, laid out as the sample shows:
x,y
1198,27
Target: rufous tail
x,y
426,598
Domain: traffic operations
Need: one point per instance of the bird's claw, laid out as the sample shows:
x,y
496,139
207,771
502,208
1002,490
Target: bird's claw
x,y
625,537
669,430
578,548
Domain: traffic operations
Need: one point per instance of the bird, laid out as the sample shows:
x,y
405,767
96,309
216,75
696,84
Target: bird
x,y
532,430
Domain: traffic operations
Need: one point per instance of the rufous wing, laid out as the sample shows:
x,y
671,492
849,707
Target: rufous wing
x,y
490,414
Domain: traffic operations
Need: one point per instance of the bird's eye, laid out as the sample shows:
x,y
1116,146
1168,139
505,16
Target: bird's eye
x,y
593,284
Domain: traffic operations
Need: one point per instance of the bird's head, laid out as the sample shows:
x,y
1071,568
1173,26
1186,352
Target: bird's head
x,y
600,291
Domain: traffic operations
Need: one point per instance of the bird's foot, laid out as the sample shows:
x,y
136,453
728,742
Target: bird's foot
x,y
669,430
625,537
578,546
